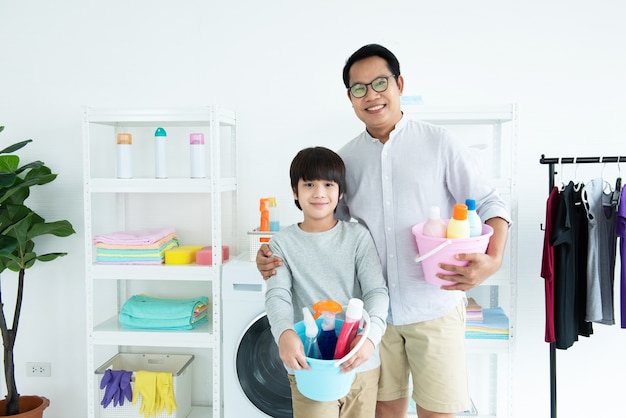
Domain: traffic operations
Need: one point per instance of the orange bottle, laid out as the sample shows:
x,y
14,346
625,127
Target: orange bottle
x,y
264,225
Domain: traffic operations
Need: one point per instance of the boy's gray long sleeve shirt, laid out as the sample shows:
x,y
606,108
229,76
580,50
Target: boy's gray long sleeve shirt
x,y
338,264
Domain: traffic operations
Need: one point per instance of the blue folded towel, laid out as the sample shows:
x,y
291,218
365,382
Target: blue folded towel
x,y
146,312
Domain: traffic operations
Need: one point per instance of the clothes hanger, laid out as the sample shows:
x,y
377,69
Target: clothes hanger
x,y
577,183
618,187
562,184
606,186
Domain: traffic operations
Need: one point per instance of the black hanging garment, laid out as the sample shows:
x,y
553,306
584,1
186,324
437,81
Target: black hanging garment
x,y
567,238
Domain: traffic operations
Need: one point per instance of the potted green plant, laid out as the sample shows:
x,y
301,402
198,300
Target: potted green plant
x,y
19,226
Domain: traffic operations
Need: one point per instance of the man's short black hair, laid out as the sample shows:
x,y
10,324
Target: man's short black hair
x,y
371,50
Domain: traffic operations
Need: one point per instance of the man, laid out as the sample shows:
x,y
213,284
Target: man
x,y
395,170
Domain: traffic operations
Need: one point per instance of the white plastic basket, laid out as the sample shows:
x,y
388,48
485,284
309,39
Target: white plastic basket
x,y
257,239
178,364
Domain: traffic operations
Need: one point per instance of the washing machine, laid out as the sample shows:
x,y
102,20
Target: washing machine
x,y
255,383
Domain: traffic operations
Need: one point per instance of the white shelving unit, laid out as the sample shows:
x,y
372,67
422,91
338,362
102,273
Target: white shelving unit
x,y
201,211
491,131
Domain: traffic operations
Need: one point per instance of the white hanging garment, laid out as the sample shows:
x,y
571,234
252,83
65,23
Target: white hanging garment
x,y
601,252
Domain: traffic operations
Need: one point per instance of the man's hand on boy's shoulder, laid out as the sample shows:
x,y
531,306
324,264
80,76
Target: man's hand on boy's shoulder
x,y
266,263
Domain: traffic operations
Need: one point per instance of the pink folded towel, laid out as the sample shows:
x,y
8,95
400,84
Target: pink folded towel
x,y
144,237
156,245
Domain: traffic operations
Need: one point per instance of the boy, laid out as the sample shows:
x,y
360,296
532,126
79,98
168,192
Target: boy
x,y
326,259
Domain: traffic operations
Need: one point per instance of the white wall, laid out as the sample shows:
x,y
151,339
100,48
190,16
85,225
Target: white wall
x,y
278,63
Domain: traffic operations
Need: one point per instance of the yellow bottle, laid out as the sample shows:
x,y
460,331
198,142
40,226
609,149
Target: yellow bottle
x,y
459,226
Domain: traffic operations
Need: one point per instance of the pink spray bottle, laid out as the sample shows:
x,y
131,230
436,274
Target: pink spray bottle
x,y
350,327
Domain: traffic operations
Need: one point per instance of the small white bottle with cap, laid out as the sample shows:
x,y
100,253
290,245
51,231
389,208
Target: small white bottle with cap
x,y
160,160
435,226
197,152
124,156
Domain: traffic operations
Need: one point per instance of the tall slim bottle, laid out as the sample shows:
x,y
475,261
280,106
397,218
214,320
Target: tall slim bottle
x,y
197,155
458,227
160,160
124,156
264,222
350,327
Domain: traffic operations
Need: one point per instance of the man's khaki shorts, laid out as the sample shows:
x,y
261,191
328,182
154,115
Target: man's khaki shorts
x,y
434,354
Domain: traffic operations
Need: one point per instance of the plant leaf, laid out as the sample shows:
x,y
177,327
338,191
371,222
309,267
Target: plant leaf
x,y
28,181
57,228
15,147
7,179
9,163
50,256
7,244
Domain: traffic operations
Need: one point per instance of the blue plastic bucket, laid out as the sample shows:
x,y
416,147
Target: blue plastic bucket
x,y
324,381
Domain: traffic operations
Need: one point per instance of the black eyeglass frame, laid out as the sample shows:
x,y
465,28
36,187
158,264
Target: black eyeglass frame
x,y
372,86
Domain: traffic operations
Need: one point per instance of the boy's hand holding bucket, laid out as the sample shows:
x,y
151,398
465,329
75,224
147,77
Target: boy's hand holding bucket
x,y
360,356
291,350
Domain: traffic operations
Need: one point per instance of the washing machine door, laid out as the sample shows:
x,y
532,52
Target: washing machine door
x,y
260,371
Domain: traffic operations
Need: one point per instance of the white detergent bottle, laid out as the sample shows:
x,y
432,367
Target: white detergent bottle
x,y
434,226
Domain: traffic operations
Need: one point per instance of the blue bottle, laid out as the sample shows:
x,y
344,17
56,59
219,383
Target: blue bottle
x,y
327,340
476,225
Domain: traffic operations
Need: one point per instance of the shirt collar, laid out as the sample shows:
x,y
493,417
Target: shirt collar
x,y
399,127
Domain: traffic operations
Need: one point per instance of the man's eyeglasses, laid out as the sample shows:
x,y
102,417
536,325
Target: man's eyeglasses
x,y
379,85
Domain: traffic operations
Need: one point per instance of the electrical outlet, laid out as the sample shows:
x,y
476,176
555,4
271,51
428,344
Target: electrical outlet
x,y
38,369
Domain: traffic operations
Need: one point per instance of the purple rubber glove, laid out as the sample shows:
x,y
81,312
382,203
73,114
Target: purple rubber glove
x,y
110,381
125,391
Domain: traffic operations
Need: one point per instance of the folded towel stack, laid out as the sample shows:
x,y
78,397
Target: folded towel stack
x,y
146,312
135,247
495,325
474,311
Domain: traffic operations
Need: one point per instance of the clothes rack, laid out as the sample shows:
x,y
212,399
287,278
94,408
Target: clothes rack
x,y
552,162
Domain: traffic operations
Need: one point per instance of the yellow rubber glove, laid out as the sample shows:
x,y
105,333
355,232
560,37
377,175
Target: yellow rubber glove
x,y
165,391
145,385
